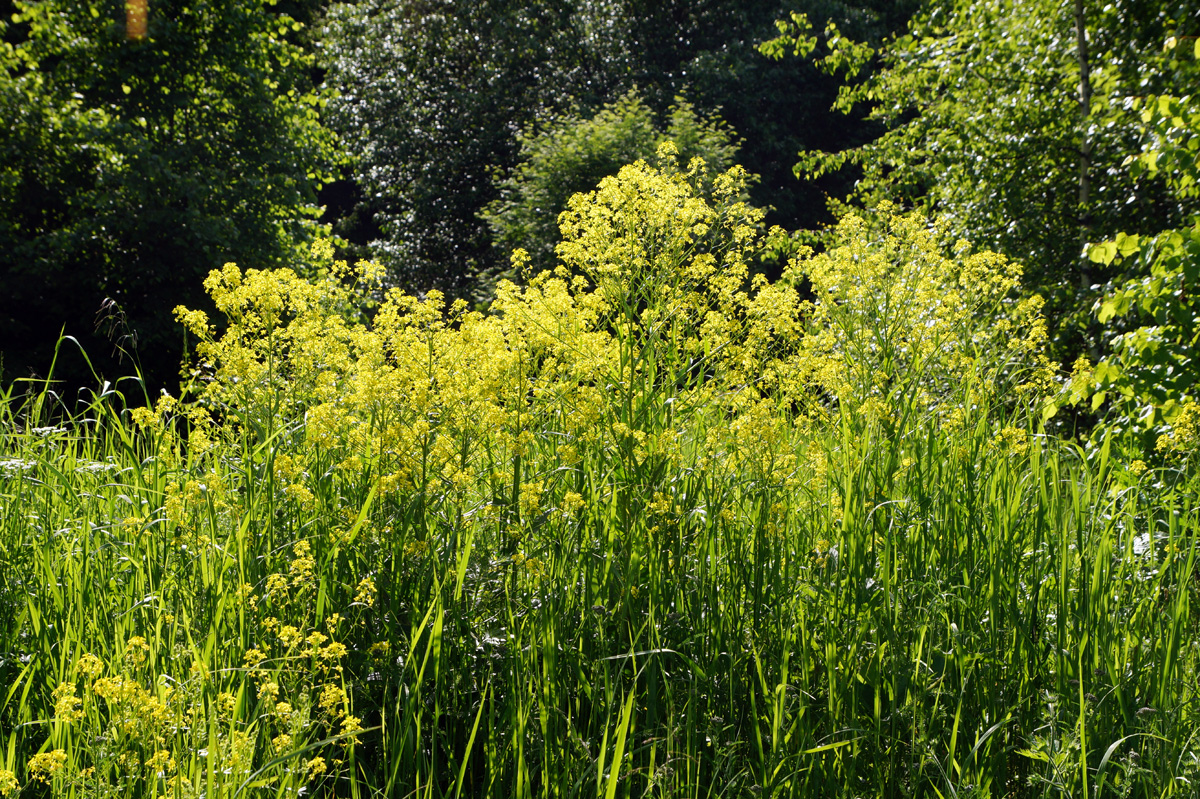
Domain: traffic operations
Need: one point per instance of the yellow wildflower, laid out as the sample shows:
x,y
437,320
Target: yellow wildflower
x,y
43,766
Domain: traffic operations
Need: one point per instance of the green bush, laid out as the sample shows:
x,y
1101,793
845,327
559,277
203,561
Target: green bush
x,y
573,154
1147,384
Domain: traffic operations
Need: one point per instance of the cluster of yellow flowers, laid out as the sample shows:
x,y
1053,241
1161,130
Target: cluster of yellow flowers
x,y
897,323
135,723
43,766
649,319
1183,437
654,342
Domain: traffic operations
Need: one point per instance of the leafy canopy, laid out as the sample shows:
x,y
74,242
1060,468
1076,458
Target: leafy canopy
x,y
430,96
1012,120
1149,376
133,166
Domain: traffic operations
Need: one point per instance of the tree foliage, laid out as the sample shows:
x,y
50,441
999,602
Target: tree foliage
x,y
710,51
434,95
131,167
1152,316
431,96
1012,119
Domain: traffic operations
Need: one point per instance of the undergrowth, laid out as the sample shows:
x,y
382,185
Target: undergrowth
x,y
651,526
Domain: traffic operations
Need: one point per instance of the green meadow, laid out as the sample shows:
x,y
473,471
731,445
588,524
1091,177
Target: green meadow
x,y
650,526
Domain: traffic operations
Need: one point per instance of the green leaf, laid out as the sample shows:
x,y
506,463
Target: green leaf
x,y
1127,244
1107,373
1103,253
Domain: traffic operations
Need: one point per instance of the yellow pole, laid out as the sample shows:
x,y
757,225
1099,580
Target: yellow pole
x,y
136,12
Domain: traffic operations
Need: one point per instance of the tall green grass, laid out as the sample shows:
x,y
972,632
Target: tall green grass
x,y
516,576
962,619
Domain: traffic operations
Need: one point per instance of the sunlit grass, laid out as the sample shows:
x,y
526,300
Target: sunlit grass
x,y
582,547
